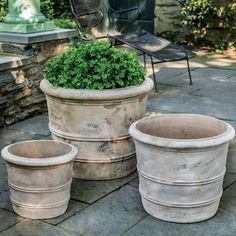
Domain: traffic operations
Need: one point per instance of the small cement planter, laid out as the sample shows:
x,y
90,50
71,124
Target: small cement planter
x,y
181,165
39,176
97,122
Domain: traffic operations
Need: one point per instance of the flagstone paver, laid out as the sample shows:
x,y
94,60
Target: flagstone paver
x,y
3,178
111,215
8,219
91,191
231,163
134,183
229,179
223,224
228,201
36,228
73,208
201,77
5,202
175,101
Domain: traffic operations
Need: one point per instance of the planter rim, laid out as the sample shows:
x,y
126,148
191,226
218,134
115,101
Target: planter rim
x,y
217,140
87,94
39,162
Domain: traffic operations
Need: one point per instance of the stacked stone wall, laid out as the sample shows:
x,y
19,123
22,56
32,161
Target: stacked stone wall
x,y
167,19
168,23
20,95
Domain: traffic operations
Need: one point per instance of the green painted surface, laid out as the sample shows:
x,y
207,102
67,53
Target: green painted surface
x,y
26,28
24,11
24,16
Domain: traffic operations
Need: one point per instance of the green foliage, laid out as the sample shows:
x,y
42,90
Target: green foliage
x,y
94,65
56,8
58,11
209,13
61,9
220,47
3,6
207,18
196,12
65,23
47,8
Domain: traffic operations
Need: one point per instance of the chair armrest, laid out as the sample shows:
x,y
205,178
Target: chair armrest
x,y
132,20
77,16
125,10
90,13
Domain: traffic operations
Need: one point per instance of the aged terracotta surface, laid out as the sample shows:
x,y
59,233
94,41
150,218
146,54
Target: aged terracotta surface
x,y
181,164
39,177
97,122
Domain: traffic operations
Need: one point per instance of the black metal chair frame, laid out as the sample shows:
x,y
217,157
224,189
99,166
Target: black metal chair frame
x,y
111,11
187,53
77,16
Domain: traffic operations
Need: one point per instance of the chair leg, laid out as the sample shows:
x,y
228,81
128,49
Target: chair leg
x,y
154,76
189,72
144,60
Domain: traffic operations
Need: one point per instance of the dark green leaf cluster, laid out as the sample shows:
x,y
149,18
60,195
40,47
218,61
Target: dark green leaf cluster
x,y
54,9
196,12
3,7
65,23
95,65
202,13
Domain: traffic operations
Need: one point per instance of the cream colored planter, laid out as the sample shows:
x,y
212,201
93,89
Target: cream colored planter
x,y
181,165
39,176
97,122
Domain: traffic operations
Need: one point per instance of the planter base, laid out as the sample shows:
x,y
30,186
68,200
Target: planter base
x,y
99,160
104,171
180,214
37,213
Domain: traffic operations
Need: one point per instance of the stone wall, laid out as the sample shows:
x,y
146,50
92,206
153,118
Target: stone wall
x,y
168,23
20,75
167,19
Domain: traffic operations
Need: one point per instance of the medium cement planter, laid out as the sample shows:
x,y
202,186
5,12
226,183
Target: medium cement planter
x,y
181,165
97,122
39,176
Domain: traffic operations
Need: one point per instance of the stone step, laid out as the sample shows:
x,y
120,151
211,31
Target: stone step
x,y
27,44
17,49
9,61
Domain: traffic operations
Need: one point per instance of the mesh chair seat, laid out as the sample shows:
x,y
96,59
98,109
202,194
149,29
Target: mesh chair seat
x,y
161,49
157,48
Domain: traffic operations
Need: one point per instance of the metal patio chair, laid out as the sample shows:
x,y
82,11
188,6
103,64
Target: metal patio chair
x,y
158,49
98,17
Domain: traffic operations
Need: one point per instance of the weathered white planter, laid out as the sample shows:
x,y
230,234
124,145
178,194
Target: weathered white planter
x,y
181,165
97,122
39,177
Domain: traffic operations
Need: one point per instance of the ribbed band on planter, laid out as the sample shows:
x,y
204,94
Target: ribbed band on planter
x,y
39,177
97,123
181,162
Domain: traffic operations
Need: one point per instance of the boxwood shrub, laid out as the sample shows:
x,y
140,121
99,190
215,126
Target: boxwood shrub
x,y
94,65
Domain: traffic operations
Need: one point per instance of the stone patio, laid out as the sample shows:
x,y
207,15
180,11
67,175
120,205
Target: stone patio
x,y
114,207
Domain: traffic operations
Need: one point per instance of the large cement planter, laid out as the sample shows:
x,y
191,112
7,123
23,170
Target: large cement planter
x,y
181,164
97,122
39,177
